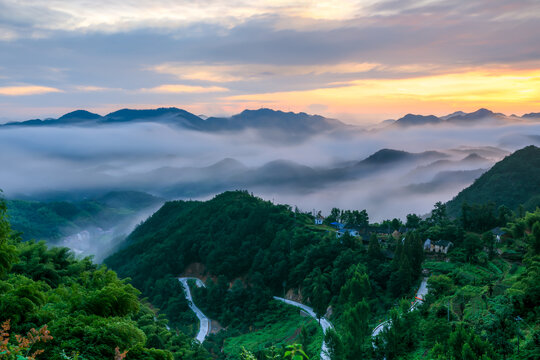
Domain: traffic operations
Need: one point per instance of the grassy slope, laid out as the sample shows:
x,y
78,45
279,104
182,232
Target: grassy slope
x,y
281,328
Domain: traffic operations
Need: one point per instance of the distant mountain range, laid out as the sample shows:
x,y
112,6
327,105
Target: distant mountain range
x,y
287,175
267,120
262,119
460,118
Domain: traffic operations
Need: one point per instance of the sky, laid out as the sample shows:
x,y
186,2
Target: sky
x,y
359,61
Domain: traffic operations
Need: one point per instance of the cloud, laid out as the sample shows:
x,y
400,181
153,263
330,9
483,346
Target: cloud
x,y
90,88
24,90
258,48
179,88
499,89
248,72
109,17
7,34
132,156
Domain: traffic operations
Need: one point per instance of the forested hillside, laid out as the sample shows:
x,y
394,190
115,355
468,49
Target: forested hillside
x,y
251,249
271,248
68,308
512,182
53,220
483,271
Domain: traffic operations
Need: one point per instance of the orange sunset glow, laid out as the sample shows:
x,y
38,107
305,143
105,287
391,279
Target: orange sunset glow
x,y
363,61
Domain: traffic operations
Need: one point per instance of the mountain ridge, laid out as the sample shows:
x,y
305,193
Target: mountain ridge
x,y
460,118
512,182
262,118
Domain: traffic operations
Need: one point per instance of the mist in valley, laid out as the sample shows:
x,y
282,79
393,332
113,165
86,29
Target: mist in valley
x,y
164,160
345,168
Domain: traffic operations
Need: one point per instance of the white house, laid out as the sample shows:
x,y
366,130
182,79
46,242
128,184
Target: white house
x,y
441,246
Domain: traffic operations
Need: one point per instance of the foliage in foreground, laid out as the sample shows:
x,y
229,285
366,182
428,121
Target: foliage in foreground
x,y
83,311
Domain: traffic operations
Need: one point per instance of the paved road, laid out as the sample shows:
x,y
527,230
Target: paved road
x,y
420,294
204,328
204,322
325,324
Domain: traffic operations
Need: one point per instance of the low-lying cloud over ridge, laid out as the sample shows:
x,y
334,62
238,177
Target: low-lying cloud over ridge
x,y
311,169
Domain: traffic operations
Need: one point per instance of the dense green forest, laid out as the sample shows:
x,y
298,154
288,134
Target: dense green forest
x,y
512,182
483,300
252,249
54,306
52,220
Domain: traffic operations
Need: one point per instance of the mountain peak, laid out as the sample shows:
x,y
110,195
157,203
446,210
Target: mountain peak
x,y
386,156
143,113
482,112
79,115
532,115
473,157
455,113
413,119
479,114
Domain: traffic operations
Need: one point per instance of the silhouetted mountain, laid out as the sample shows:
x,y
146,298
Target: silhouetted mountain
x,y
171,115
455,113
474,157
471,162
386,156
72,118
79,115
415,120
282,174
513,181
479,114
275,124
456,118
532,115
272,119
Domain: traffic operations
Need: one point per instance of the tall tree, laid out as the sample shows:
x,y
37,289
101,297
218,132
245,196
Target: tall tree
x,y
438,214
413,221
356,330
535,238
356,288
8,252
319,291
374,249
489,242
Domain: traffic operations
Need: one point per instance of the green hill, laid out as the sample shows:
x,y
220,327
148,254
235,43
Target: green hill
x,y
225,234
53,220
86,308
513,181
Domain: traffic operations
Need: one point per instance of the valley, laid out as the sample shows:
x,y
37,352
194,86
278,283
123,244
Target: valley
x,y
347,273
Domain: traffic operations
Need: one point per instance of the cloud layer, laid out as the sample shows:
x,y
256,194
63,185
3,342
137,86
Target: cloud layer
x,y
320,172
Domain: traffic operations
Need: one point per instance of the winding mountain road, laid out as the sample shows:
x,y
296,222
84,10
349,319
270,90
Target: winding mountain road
x,y
419,298
204,327
325,324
